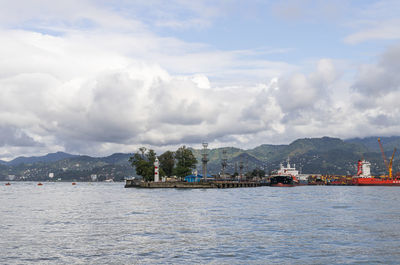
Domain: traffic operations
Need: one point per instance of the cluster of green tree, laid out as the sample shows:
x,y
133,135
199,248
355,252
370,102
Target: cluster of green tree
x,y
179,163
257,173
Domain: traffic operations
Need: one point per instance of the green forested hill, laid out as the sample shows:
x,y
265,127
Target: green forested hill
x,y
371,143
324,155
75,167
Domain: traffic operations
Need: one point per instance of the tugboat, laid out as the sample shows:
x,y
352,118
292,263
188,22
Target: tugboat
x,y
285,176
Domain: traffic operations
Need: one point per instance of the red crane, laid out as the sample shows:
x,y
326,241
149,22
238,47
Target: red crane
x,y
388,165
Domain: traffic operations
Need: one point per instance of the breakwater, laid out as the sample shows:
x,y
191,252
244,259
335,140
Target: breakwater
x,y
191,185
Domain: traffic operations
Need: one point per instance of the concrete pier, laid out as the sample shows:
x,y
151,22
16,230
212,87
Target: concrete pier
x,y
190,185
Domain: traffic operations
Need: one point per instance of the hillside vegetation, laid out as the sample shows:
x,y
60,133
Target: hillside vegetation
x,y
324,155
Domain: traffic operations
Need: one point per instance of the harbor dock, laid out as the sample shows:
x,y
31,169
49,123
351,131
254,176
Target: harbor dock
x,y
190,185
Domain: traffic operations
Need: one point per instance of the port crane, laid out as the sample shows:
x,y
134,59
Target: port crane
x,y
388,165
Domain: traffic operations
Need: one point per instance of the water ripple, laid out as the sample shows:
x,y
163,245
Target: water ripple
x,y
104,223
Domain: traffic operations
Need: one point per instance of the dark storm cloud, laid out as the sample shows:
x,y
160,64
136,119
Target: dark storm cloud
x,y
12,136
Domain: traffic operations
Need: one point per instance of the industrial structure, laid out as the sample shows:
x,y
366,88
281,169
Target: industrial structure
x,y
224,163
204,160
388,165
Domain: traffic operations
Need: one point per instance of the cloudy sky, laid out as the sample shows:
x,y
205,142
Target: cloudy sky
x,y
98,77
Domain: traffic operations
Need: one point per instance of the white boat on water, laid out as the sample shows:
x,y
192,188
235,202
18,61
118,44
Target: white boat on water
x,y
293,172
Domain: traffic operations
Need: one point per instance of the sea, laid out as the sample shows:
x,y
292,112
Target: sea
x,y
105,223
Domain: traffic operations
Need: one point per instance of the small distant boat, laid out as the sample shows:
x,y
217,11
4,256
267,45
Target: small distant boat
x,y
109,180
8,184
40,184
73,183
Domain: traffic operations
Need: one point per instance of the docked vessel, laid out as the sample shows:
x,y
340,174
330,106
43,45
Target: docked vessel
x,y
282,181
286,177
364,177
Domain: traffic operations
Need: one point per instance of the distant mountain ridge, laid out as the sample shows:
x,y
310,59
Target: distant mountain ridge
x,y
54,157
324,155
51,157
64,166
371,143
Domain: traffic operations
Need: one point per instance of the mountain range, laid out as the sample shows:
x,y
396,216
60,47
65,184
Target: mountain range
x,y
53,157
324,155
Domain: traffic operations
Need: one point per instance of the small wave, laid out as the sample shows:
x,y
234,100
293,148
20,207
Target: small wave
x,y
41,259
341,207
134,213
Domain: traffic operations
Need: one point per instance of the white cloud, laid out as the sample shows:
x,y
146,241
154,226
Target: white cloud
x,y
80,88
82,94
377,80
303,92
106,83
376,20
310,10
377,30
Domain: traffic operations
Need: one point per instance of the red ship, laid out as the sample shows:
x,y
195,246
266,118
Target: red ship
x,y
364,177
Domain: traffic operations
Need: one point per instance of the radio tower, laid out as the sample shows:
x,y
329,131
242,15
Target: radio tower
x,y
205,160
241,166
236,166
247,167
224,162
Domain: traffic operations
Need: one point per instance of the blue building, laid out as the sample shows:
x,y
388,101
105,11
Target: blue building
x,y
198,178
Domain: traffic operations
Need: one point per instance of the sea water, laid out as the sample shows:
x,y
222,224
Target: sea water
x,y
104,223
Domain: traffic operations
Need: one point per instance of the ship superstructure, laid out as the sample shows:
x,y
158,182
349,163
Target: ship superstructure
x,y
288,170
363,169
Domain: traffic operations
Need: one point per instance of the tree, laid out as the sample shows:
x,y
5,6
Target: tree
x,y
143,161
258,173
167,163
185,162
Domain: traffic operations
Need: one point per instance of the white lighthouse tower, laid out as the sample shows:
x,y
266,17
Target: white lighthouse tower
x,y
156,171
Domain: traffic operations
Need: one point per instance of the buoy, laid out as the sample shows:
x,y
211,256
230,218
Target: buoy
x,y
73,183
8,184
40,184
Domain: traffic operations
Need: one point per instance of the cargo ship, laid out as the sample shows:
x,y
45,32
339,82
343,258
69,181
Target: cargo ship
x,y
364,178
285,176
282,181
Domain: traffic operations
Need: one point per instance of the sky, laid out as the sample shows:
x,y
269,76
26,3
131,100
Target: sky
x,y
99,77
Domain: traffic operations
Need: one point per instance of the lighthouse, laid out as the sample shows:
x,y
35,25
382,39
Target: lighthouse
x,y
156,172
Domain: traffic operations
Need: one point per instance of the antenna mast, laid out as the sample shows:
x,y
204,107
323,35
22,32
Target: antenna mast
x,y
205,160
224,162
